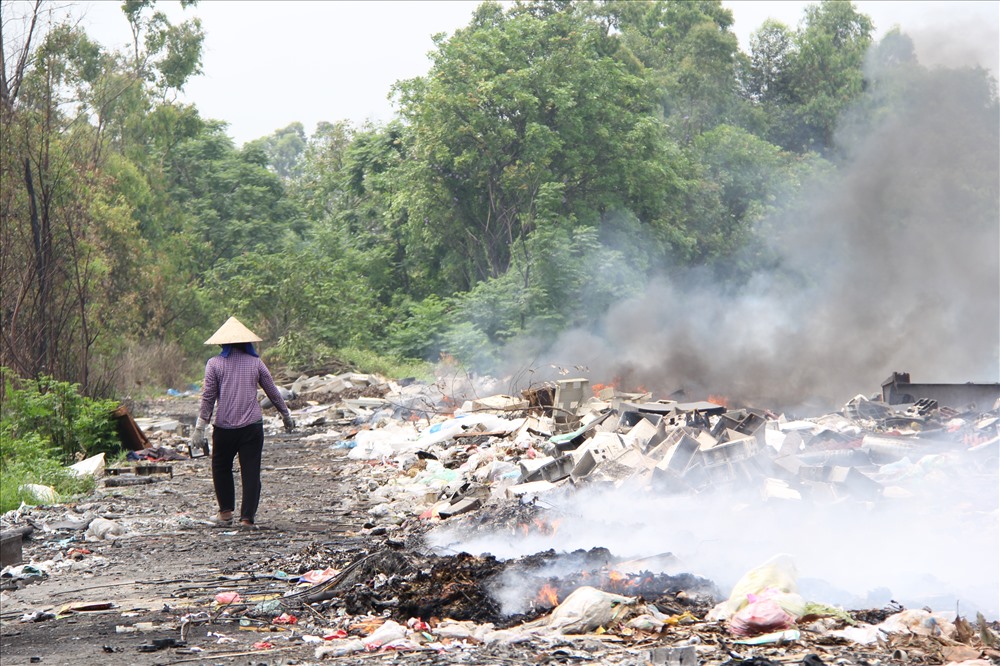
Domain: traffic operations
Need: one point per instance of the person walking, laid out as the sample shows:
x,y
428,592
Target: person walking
x,y
231,381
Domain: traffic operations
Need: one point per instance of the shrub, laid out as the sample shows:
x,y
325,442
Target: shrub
x,y
30,458
73,425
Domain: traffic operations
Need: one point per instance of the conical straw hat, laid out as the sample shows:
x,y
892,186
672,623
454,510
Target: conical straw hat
x,y
232,332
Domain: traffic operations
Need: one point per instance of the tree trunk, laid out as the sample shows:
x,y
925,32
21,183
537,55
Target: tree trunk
x,y
42,248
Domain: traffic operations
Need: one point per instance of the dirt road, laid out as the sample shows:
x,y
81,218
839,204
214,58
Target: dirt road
x,y
169,565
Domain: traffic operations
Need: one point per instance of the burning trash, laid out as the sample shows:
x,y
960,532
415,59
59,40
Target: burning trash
x,y
578,513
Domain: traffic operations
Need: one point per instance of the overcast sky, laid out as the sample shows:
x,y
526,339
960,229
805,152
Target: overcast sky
x,y
267,64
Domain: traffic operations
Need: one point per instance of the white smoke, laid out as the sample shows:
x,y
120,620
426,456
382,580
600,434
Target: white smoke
x,y
939,547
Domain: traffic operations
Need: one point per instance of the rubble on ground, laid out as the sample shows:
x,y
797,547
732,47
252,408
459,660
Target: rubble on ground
x,y
486,464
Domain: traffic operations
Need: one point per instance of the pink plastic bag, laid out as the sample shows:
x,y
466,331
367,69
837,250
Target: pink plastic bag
x,y
760,617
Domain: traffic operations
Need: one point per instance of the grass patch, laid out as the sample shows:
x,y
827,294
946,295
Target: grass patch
x,y
388,366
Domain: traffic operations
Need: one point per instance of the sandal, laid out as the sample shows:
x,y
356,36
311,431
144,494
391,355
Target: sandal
x,y
247,525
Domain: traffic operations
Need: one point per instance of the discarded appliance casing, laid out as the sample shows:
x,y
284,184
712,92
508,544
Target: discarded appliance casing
x,y
10,545
898,390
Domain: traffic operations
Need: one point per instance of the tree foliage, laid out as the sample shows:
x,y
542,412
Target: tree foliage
x,y
554,157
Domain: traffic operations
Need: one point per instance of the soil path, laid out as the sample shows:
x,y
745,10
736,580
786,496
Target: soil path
x,y
171,565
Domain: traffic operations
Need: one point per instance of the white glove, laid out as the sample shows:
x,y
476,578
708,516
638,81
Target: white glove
x,y
289,423
198,438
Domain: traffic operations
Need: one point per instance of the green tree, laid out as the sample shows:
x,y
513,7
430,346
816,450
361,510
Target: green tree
x,y
690,55
805,80
71,245
526,116
284,149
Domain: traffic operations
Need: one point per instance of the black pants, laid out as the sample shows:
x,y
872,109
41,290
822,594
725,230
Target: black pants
x,y
248,443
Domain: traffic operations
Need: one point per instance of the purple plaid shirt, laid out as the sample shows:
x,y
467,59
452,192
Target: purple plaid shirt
x,y
232,382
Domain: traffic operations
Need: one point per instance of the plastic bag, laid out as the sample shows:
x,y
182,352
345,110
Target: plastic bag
x,y
586,609
777,574
41,494
102,528
388,632
340,648
381,442
760,617
920,622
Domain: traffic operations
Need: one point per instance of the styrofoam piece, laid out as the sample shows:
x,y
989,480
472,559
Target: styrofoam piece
x,y
92,466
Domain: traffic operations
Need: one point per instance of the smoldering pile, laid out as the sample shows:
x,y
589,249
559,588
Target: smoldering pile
x,y
401,584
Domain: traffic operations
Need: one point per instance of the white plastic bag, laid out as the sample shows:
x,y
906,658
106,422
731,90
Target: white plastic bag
x,y
586,609
388,632
102,528
340,648
41,494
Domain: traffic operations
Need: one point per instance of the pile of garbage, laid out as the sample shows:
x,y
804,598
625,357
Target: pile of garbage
x,y
434,460
428,456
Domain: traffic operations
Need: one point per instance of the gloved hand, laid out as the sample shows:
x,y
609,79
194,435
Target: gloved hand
x,y
289,423
199,439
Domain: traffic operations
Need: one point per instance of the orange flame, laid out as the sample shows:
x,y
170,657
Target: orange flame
x,y
548,596
613,384
543,526
719,400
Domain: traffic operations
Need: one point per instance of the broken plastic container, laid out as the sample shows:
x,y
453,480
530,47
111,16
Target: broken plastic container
x,y
92,466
